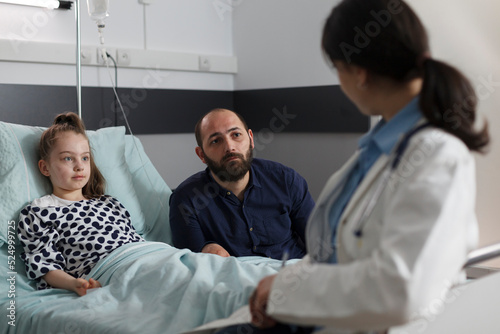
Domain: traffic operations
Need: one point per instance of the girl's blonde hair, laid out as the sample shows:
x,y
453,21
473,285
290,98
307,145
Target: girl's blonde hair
x,y
71,122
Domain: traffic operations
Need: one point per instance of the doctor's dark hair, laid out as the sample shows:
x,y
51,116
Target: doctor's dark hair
x,y
388,39
197,128
71,122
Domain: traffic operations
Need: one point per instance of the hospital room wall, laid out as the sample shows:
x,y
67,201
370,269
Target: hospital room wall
x,y
274,52
187,26
191,26
282,49
277,45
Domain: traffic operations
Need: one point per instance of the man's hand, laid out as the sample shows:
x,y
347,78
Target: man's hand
x,y
258,304
215,249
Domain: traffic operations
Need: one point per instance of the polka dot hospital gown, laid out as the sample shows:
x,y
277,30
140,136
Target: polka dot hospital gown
x,y
71,236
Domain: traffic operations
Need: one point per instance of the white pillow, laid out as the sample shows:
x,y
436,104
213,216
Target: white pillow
x,y
153,192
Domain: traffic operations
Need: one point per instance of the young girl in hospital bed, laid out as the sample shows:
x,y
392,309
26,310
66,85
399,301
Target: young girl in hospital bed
x,y
66,233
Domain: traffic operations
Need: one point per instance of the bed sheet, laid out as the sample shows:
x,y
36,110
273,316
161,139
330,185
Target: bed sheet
x,y
148,287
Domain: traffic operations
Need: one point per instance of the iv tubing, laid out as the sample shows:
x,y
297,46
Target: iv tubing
x,y
113,86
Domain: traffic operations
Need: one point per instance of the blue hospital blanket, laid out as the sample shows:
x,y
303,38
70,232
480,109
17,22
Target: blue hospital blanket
x,y
148,287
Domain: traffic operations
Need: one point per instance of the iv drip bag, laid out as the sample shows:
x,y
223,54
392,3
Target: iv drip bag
x,y
98,10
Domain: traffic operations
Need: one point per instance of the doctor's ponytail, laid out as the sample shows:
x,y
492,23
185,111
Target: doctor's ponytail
x,y
448,101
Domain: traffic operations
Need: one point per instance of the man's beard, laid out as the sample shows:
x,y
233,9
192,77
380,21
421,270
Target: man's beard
x,y
231,171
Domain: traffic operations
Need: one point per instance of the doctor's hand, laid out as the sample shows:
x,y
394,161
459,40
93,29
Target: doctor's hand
x,y
215,249
258,304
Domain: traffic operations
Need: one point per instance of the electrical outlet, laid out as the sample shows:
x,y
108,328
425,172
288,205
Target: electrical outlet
x,y
123,57
85,56
99,57
204,63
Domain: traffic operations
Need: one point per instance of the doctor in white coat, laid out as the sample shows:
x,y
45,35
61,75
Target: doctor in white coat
x,y
392,228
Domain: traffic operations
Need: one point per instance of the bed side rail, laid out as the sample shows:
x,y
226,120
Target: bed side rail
x,y
482,254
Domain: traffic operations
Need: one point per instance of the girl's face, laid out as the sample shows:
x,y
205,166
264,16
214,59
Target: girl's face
x,y
68,166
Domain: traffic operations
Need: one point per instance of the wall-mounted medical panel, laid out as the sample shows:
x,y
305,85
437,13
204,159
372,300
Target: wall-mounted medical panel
x,y
58,53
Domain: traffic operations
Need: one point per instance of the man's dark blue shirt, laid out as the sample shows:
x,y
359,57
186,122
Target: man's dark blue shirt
x,y
271,218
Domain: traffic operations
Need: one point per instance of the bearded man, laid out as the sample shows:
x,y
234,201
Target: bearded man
x,y
239,206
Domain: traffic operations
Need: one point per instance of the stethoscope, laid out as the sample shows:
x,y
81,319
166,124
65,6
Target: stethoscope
x,y
322,252
397,154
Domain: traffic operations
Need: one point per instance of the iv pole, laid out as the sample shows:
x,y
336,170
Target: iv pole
x,y
78,60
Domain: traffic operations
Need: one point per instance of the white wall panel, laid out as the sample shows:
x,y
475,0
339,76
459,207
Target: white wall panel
x,y
190,26
278,43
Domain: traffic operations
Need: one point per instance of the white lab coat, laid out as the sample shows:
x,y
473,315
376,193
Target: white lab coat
x,y
413,246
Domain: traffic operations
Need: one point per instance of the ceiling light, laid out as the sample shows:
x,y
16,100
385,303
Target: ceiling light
x,y
51,4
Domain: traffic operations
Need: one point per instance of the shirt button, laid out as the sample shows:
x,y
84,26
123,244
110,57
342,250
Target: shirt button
x,y
251,229
229,193
254,247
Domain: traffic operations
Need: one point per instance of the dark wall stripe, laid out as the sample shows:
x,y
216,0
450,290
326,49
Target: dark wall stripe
x,y
301,109
148,110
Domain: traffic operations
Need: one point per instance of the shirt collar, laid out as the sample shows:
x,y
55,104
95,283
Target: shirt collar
x,y
385,135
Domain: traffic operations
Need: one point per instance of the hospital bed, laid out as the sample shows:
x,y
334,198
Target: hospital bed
x,y
468,308
155,288
148,287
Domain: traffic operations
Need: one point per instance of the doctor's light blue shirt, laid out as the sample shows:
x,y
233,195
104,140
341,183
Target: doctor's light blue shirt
x,y
381,139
